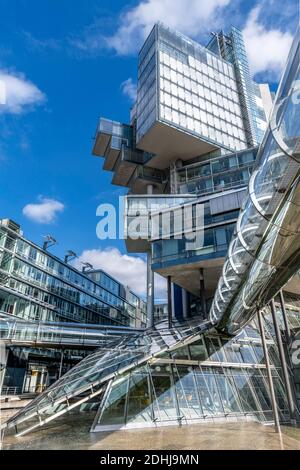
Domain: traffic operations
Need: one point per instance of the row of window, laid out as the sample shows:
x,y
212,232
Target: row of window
x,y
235,179
202,99
146,52
54,266
224,87
110,292
52,284
205,99
217,349
206,241
64,311
189,51
222,123
201,129
215,166
146,95
166,392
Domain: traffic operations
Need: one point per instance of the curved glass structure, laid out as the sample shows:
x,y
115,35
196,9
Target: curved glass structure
x,y
264,251
85,380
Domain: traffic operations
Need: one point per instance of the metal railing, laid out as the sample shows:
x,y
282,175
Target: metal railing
x,y
10,391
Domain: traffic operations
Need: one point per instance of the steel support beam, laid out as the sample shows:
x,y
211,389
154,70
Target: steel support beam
x,y
169,281
269,373
150,292
61,363
285,320
185,306
285,373
202,294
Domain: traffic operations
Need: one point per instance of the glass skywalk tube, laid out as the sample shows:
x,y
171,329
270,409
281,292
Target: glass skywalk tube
x,y
264,251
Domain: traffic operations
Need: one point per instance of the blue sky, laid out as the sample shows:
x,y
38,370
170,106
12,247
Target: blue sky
x,y
64,63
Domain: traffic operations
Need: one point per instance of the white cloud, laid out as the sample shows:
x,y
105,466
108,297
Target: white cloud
x,y
129,270
129,89
41,44
267,49
188,17
43,212
18,94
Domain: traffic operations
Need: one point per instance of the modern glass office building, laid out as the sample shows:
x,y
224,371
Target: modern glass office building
x,y
42,289
201,136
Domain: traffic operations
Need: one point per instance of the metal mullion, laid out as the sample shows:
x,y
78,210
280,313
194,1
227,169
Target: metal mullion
x,y
100,410
127,396
261,375
215,374
208,388
197,390
154,394
256,399
174,368
234,388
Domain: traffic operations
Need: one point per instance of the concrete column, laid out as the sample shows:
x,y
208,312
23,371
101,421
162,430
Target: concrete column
x,y
150,280
285,373
169,301
3,360
173,301
285,320
185,306
150,292
269,374
202,294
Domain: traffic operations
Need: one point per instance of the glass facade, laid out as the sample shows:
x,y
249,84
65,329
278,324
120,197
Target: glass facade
x,y
216,174
38,286
205,93
216,241
46,305
147,86
184,85
231,48
160,312
88,377
210,378
138,210
117,133
166,376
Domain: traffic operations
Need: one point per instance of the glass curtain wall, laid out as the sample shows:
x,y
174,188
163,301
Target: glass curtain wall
x,y
218,174
198,91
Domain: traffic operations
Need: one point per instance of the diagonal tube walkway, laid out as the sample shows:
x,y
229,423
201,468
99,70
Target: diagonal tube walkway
x,y
265,250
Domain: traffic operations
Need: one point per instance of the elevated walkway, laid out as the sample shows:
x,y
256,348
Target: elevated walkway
x,y
264,253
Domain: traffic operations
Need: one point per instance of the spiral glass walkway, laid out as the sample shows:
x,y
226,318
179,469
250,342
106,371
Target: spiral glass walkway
x,y
265,250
